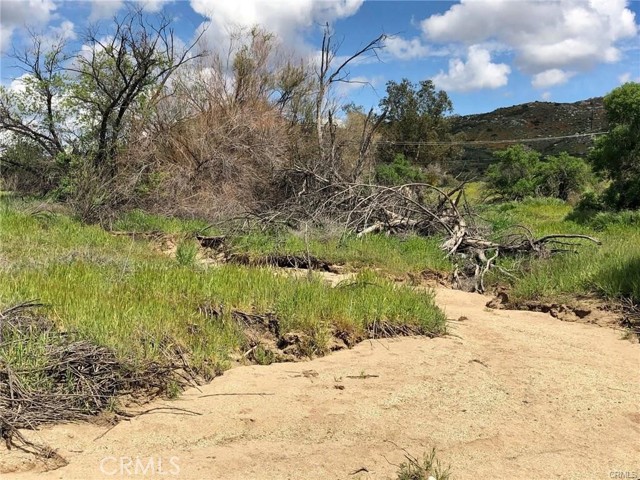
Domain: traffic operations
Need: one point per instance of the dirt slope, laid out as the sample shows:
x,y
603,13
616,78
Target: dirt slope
x,y
511,395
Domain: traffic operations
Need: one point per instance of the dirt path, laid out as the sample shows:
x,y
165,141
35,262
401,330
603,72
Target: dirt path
x,y
512,395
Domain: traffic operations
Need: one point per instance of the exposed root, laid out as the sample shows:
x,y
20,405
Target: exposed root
x,y
69,380
282,261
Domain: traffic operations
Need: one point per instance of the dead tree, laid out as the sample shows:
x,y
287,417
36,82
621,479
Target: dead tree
x,y
426,210
327,76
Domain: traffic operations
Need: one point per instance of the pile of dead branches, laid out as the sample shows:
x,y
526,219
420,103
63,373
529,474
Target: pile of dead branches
x,y
421,208
65,379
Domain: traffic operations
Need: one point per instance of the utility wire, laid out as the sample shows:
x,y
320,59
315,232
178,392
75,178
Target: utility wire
x,y
484,142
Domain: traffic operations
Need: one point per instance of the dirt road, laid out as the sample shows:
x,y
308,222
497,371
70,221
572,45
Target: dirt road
x,y
510,395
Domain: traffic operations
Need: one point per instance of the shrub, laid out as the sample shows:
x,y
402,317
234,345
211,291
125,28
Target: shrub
x,y
513,175
25,167
399,172
563,176
521,173
599,220
617,154
427,468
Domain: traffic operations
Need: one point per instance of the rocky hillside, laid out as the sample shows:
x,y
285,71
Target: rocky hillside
x,y
535,120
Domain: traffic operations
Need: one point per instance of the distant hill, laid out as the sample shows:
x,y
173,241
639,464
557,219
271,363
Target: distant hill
x,y
531,120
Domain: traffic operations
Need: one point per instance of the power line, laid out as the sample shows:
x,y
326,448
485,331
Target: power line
x,y
485,142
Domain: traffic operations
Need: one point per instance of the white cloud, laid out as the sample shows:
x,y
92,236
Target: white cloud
x,y
625,77
5,38
569,34
550,78
104,9
153,6
477,73
404,49
546,96
15,14
285,18
18,84
54,35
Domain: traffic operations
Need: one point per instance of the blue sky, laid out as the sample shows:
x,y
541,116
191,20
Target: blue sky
x,y
485,53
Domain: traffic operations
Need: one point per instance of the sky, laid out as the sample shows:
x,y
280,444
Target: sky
x,y
485,54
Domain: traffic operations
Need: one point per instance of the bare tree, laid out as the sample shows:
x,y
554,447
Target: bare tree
x,y
327,76
35,115
131,64
101,86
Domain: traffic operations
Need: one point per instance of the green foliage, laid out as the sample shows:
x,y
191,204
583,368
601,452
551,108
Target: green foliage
x,y
26,167
521,172
399,172
415,113
563,176
603,220
590,204
84,187
263,356
513,176
617,154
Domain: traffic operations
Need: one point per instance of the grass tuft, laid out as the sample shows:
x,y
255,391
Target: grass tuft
x,y
426,468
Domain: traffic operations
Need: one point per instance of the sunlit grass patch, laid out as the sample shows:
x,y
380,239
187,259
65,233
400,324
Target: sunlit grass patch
x,y
389,254
608,270
120,293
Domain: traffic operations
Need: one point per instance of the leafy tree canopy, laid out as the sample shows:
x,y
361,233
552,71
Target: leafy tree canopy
x,y
617,154
415,113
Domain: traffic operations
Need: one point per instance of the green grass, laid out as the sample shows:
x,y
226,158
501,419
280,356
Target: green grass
x,y
119,293
610,270
140,221
388,254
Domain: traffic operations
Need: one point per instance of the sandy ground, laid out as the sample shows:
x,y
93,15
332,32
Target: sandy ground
x,y
509,395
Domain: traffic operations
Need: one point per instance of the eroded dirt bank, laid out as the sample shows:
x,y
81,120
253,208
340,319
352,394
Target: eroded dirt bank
x,y
509,395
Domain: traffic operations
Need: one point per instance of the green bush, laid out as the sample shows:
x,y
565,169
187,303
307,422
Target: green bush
x,y
521,172
600,221
399,172
513,175
563,176
617,154
25,167
427,468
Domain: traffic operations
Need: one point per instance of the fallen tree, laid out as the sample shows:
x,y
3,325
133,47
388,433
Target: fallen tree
x,y
428,210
